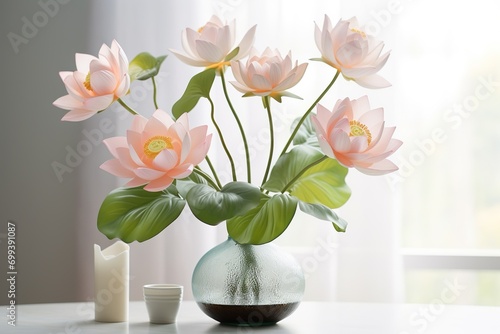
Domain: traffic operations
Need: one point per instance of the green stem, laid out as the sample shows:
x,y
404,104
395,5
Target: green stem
x,y
223,142
312,164
129,109
267,103
204,175
154,92
242,131
308,112
214,173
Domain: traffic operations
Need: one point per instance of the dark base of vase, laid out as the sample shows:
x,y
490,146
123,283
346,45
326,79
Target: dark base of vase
x,y
248,315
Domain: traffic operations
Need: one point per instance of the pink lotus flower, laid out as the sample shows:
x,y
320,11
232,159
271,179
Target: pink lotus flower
x,y
355,135
96,83
267,74
351,51
157,151
212,43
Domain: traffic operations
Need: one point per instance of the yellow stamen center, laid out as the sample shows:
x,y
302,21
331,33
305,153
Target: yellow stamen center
x,y
86,83
359,129
156,144
358,31
200,29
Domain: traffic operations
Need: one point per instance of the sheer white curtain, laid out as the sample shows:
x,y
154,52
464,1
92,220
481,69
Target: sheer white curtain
x,y
360,265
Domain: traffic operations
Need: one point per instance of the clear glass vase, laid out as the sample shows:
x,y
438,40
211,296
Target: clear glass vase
x,y
246,285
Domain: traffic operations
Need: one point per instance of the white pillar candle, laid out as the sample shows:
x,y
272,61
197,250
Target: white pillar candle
x,y
111,274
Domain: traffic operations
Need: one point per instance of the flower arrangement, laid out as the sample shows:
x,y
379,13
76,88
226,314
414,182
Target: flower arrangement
x,y
162,155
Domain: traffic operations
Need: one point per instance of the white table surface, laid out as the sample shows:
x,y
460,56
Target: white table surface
x,y
309,318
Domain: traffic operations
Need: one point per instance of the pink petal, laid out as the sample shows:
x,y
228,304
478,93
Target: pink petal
x,y
373,81
163,117
344,160
188,60
98,65
325,146
349,54
112,56
246,43
340,141
185,148
114,143
98,103
275,74
68,102
115,167
83,61
159,184
124,86
323,114
103,82
148,173
199,151
181,171
359,144
224,40
370,118
360,105
76,115
64,74
188,40
135,182
358,72
135,145
126,160
209,51
155,127
260,83
379,168
138,123
75,88
119,54
166,160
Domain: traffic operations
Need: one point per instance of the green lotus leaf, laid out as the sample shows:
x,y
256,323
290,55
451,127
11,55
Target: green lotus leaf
x,y
134,214
306,174
265,222
213,207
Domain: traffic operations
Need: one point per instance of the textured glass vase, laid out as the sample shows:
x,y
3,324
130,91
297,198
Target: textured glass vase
x,y
246,285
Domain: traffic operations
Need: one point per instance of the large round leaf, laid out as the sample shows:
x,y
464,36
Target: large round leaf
x,y
136,214
324,184
213,207
290,165
310,176
265,222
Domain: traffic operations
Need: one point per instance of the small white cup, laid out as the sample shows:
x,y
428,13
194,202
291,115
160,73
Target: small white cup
x,y
163,302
